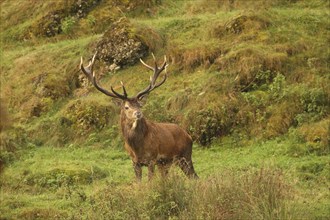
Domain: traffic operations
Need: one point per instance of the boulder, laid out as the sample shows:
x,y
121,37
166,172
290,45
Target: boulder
x,y
120,46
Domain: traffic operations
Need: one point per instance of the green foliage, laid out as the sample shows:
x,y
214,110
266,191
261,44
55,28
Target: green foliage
x,y
91,20
315,100
206,127
154,109
317,171
58,177
250,84
85,115
13,139
262,195
277,87
68,24
235,183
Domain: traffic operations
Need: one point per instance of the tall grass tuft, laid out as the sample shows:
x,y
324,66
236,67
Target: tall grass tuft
x,y
253,194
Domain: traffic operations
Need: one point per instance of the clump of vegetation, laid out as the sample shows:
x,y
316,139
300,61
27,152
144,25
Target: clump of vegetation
x,y
252,85
317,136
63,17
209,125
257,194
63,176
67,25
4,118
87,115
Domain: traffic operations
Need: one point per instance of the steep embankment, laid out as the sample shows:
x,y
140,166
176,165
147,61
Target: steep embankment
x,y
248,79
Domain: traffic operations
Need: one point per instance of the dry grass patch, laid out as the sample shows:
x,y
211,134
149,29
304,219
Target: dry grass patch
x,y
260,194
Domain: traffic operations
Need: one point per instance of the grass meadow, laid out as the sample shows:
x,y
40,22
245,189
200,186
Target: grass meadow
x,y
248,80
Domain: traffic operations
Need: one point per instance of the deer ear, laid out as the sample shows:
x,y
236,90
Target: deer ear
x,y
143,99
117,102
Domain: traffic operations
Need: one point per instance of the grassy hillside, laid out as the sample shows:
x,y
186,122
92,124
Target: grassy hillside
x,y
249,80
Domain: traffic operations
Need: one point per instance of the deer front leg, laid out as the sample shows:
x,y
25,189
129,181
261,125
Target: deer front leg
x,y
138,171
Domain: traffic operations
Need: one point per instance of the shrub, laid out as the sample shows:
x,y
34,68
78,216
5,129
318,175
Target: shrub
x,y
277,87
315,100
67,24
91,20
205,127
86,115
314,104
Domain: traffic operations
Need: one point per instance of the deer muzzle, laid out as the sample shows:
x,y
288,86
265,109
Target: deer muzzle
x,y
138,114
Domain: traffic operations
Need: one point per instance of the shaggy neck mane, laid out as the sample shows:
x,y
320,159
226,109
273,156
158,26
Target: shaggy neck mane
x,y
133,131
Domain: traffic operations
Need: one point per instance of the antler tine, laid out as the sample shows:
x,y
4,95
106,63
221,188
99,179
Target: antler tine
x,y
124,89
90,74
165,76
160,83
88,70
159,70
153,56
118,94
146,65
154,77
91,63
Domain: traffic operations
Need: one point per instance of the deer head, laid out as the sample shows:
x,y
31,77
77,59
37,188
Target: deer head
x,y
130,106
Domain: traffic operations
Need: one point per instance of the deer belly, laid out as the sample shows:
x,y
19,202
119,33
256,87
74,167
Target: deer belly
x,y
163,159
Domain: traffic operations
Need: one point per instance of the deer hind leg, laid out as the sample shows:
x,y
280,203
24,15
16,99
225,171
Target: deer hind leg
x,y
151,170
163,167
138,171
187,168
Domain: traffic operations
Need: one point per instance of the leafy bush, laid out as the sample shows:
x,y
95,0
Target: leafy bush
x,y
67,24
277,87
315,100
91,20
207,124
86,115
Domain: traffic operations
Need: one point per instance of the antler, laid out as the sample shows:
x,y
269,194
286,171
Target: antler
x,y
88,71
153,78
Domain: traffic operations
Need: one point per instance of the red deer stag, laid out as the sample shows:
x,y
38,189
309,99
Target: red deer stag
x,y
148,143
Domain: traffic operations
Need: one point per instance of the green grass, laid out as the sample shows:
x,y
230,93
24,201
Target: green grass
x,y
250,84
57,180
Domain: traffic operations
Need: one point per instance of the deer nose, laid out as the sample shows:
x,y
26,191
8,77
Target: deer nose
x,y
138,114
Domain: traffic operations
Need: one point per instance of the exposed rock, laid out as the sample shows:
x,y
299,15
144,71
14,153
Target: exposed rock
x,y
120,46
114,67
51,24
80,8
